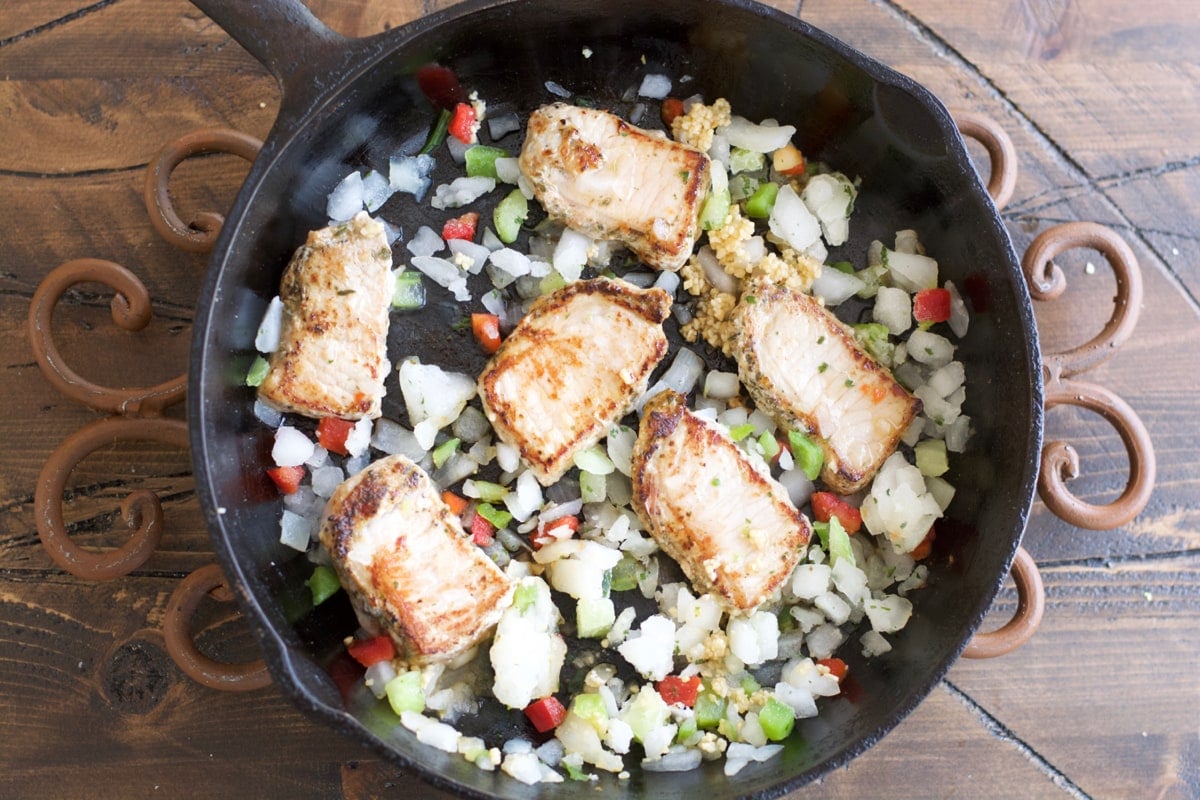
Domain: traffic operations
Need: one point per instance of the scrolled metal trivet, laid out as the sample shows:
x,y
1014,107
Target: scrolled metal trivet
x,y
134,415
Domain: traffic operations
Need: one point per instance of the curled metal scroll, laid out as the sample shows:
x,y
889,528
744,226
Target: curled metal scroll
x,y
1031,594
1031,604
1060,462
135,415
200,235
141,510
130,310
1002,179
243,677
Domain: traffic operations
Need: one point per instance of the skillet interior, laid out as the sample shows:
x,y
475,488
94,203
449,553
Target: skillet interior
x,y
851,112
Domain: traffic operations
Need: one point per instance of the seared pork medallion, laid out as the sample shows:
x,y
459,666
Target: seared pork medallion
x,y
732,529
573,366
612,180
332,354
405,560
805,368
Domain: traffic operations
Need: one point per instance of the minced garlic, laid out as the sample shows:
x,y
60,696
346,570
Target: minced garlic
x,y
697,126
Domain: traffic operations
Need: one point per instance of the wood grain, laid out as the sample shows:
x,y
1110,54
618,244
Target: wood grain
x,y
1101,100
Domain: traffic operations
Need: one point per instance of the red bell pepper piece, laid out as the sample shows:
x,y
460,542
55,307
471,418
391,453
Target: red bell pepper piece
x,y
287,478
482,531
371,651
674,689
672,107
463,124
546,714
461,227
561,528
828,504
836,667
922,551
931,305
440,85
332,433
486,328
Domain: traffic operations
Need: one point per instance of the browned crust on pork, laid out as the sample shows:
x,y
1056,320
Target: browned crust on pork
x,y
503,411
325,291
422,626
549,126
837,475
696,551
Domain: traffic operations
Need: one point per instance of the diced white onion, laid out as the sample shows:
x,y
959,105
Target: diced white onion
x,y
684,371
410,174
376,190
267,338
721,280
764,138
426,242
461,191
501,125
959,318
557,89
571,254
721,385
508,170
791,220
912,272
295,531
292,448
656,87
346,199
835,286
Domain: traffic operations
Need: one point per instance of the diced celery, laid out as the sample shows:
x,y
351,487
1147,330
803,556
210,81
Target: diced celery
x,y
552,282
409,292
839,542
510,213
524,596
594,617
744,160
481,160
443,451
776,719
710,710
687,729
821,529
931,458
807,453
323,583
574,772
592,487
624,574
769,445
749,685
873,336
485,490
404,693
594,460
739,432
871,278
497,516
257,372
843,266
715,210
590,708
645,713
761,203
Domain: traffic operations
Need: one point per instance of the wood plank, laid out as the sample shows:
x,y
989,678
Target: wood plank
x,y
25,18
90,657
1114,83
1106,690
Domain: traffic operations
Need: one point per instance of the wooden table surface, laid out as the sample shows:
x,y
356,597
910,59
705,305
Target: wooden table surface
x,y
1102,102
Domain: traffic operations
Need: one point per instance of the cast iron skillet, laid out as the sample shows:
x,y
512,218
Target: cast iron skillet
x,y
349,103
